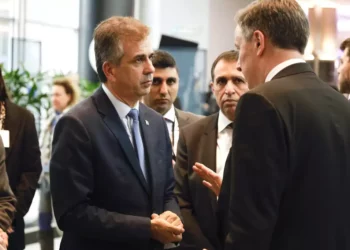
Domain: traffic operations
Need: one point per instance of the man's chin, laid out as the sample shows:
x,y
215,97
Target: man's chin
x,y
161,109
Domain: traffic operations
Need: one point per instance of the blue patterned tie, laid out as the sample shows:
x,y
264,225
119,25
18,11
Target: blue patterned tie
x,y
138,144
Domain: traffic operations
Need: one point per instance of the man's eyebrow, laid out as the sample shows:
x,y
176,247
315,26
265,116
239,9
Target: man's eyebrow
x,y
157,78
171,78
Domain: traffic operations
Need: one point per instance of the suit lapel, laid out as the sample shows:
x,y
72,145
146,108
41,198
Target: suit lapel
x,y
150,144
115,125
181,117
208,153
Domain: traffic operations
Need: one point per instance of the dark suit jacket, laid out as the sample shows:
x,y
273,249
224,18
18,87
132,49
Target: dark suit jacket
x,y
100,197
23,165
198,204
289,184
186,118
23,156
7,198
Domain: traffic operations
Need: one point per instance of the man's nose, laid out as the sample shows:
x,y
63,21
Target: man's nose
x,y
230,88
149,68
238,65
163,88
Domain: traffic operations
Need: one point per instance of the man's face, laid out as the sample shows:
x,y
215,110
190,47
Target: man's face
x,y
132,78
228,86
59,98
247,62
344,72
163,90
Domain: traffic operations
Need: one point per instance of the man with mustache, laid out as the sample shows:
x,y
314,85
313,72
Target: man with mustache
x,y
344,69
163,94
206,143
111,174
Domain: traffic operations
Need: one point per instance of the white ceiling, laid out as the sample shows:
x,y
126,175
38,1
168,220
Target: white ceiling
x,y
325,2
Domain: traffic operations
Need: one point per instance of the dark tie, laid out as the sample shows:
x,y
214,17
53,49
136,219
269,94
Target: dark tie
x,y
230,125
138,144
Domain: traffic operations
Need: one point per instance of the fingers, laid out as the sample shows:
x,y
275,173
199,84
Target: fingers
x,y
153,216
207,184
214,189
175,229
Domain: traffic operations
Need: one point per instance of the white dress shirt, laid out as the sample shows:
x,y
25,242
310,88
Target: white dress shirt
x,y
282,66
173,127
122,110
224,143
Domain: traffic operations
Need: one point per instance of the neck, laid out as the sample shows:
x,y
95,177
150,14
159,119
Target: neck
x,y
131,102
277,56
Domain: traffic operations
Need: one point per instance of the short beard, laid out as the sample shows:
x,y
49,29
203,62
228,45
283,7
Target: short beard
x,y
344,86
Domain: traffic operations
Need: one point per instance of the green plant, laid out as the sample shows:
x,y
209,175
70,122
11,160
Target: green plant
x,y
25,89
87,87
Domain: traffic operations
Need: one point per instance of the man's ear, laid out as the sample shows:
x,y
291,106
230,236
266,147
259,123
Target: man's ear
x,y
212,87
108,70
259,42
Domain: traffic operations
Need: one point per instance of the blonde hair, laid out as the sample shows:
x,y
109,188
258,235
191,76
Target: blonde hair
x,y
108,38
69,87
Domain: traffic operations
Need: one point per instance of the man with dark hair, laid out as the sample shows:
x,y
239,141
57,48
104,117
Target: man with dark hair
x,y
163,94
344,69
286,183
111,169
205,144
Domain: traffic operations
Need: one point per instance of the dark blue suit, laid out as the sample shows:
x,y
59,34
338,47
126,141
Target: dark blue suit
x,y
101,199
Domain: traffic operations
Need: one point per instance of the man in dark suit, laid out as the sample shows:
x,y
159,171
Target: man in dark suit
x,y
206,144
111,173
22,160
286,183
163,94
344,69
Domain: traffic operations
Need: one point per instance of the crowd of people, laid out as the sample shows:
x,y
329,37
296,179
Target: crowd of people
x,y
125,169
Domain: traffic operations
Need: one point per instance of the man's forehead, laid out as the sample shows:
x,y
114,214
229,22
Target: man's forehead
x,y
224,68
238,34
165,72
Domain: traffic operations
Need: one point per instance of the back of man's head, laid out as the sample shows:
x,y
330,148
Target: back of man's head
x,y
283,22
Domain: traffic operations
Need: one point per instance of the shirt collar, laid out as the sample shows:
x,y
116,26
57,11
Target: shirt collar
x,y
223,121
122,108
170,115
278,68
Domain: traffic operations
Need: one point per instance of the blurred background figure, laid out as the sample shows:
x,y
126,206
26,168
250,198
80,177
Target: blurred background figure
x,y
22,160
344,69
64,96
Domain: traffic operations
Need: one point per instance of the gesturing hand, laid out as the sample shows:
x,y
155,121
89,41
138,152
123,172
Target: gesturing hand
x,y
210,179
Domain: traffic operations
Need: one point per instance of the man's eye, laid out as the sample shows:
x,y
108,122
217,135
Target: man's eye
x,y
171,82
156,82
221,81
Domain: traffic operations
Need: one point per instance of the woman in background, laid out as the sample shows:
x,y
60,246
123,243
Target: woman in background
x,y
64,96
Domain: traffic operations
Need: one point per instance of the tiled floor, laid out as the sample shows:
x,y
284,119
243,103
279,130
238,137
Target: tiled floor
x,y
36,246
